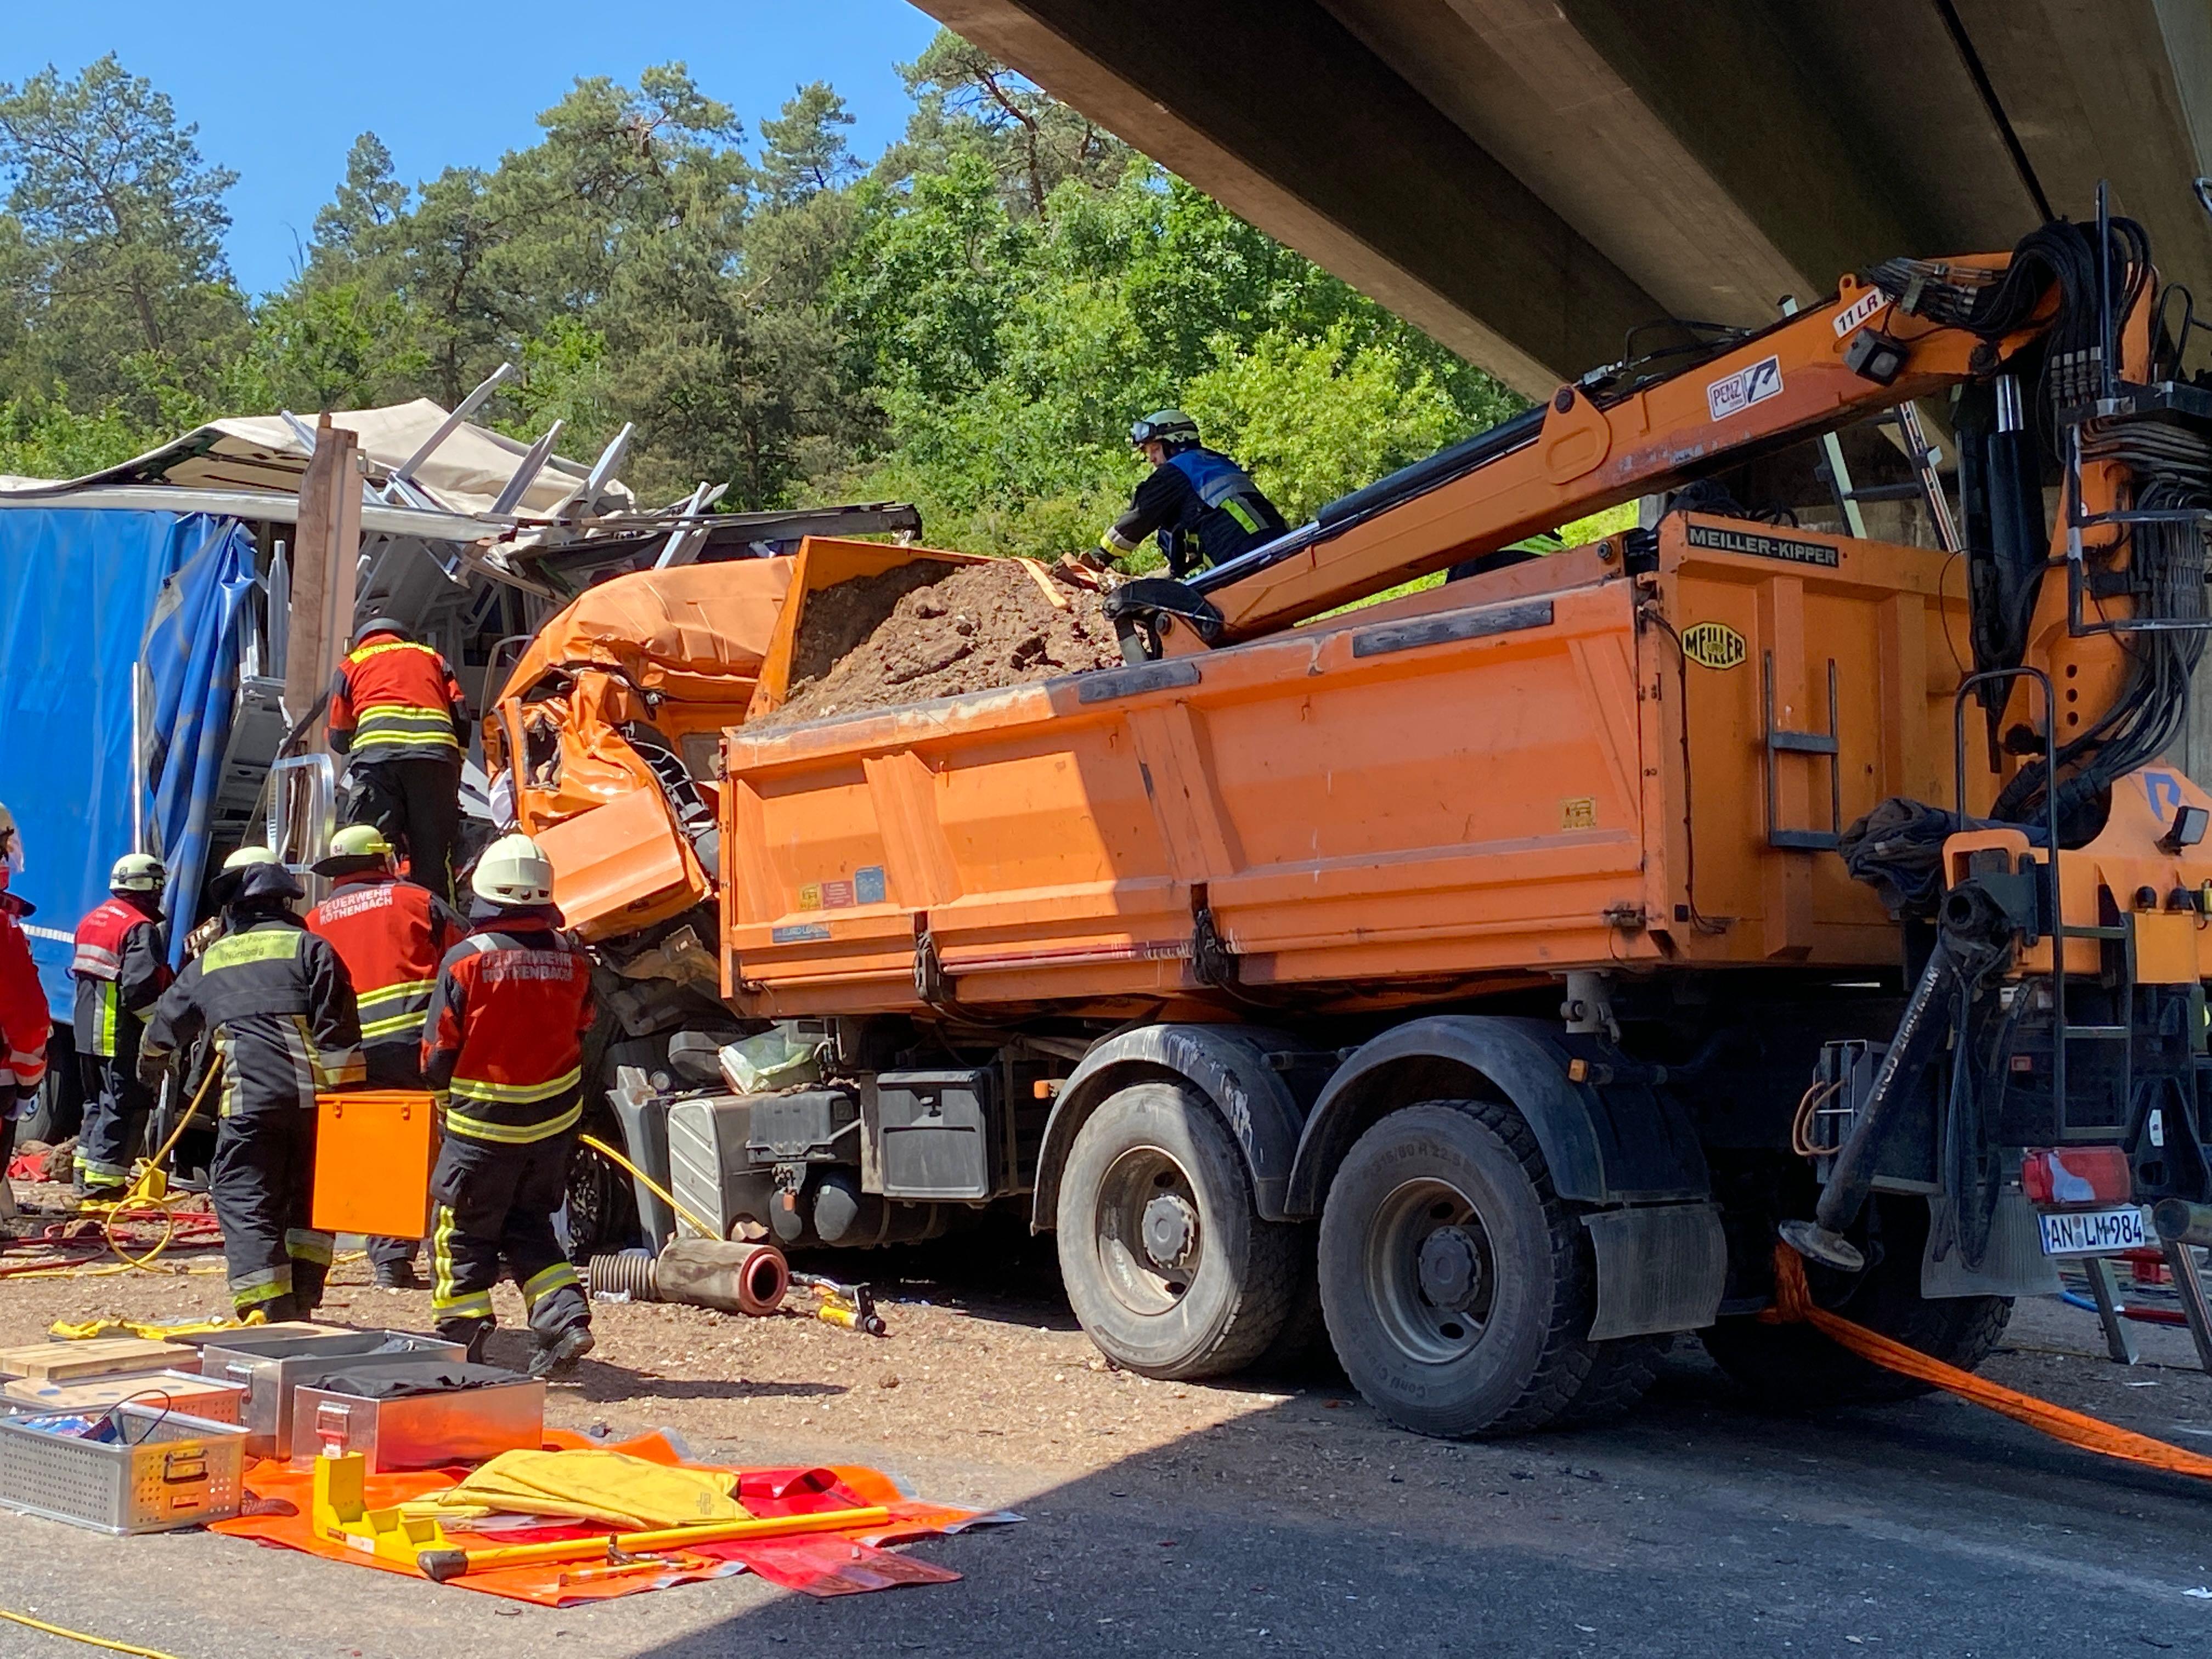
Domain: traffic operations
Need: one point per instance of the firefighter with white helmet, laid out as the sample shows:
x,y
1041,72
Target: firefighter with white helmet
x,y
121,968
504,1048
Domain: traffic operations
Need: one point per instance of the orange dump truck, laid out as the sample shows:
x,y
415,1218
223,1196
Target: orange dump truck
x,y
1491,975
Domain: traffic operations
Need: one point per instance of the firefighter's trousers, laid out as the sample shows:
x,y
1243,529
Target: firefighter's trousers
x,y
263,1184
115,1105
492,1208
416,802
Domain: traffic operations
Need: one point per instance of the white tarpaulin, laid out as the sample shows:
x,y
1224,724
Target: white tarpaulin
x,y
465,473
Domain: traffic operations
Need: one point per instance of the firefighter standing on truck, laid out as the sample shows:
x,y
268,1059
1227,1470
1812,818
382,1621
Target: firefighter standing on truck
x,y
121,968
398,714
392,934
276,1002
1205,508
505,1046
25,1022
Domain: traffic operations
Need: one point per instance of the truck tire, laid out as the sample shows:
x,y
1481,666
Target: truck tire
x,y
1458,1288
1621,1373
59,1112
1170,1270
1795,1368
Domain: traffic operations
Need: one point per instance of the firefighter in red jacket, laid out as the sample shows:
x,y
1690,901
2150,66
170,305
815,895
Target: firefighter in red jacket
x,y
505,1046
25,1019
397,713
121,968
392,934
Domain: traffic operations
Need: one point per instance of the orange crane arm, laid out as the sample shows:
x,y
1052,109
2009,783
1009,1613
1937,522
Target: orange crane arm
x,y
1789,380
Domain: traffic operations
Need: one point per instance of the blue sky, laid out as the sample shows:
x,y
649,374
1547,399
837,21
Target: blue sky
x,y
279,93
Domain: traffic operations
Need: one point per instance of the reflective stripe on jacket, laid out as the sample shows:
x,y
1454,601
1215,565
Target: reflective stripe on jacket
x,y
24,1019
280,1008
391,935
120,972
393,698
505,1043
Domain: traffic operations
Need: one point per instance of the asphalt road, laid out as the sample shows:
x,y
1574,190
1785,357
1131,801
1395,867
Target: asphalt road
x,y
1306,1526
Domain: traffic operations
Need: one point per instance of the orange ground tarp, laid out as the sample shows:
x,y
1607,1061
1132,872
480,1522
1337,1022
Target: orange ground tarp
x,y
822,1564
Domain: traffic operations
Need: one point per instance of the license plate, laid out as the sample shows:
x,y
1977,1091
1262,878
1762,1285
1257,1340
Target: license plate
x,y
2092,1232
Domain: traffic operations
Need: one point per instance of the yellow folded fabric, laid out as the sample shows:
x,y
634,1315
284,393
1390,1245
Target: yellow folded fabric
x,y
84,1330
612,1488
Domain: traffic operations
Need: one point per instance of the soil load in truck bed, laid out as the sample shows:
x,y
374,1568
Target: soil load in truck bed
x,y
879,640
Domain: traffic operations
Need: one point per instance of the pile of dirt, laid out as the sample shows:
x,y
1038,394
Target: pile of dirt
x,y
900,637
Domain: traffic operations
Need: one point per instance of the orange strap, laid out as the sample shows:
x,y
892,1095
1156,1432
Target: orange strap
x,y
1793,1305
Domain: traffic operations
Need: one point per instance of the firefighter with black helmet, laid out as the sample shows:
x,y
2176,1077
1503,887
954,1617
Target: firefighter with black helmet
x,y
277,1003
1205,508
121,968
505,1046
392,933
397,713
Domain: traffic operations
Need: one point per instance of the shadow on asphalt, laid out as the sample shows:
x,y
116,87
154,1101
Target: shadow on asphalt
x,y
1697,1525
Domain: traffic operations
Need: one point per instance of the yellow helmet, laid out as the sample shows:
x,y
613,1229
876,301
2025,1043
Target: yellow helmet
x,y
245,858
354,848
515,872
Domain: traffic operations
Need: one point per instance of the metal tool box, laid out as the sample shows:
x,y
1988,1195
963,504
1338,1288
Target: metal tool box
x,y
421,1430
208,1398
273,1368
173,1471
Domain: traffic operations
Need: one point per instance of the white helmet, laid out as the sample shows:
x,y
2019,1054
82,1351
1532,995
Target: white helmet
x,y
136,872
514,871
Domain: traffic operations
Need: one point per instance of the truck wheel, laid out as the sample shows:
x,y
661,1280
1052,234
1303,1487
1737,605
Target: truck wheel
x,y
1456,1284
1168,1269
1795,1368
1621,1373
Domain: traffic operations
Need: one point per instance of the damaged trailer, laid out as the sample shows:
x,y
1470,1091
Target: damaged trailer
x,y
151,632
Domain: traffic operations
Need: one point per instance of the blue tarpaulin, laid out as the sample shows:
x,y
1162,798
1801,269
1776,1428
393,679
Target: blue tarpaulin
x,y
85,594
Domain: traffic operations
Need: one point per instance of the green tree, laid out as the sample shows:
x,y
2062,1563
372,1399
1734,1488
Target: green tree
x,y
967,101
803,154
116,249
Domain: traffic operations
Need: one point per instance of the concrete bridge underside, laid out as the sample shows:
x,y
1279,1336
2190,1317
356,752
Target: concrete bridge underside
x,y
1528,180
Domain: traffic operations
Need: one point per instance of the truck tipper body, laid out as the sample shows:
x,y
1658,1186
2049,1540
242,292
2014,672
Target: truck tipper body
x,y
1494,977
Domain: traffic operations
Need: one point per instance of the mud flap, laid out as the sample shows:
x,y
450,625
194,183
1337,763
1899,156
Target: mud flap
x,y
2014,1263
1660,1267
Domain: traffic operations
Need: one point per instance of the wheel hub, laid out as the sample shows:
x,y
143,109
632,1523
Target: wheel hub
x,y
1170,1228
1451,1268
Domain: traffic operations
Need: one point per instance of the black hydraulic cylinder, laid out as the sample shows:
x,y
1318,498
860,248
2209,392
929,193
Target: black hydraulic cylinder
x,y
1919,1039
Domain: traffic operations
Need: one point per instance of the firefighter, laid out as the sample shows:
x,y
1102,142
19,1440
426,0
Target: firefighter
x,y
505,1046
25,1019
396,713
392,934
1204,506
276,999
121,968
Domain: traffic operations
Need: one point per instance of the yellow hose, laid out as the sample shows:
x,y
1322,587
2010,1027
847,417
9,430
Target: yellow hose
x,y
67,1634
650,1185
148,1191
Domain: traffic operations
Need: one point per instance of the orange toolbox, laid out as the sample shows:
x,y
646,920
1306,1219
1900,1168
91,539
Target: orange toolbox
x,y
373,1150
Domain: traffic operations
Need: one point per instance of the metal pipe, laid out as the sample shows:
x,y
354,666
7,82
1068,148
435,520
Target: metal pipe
x,y
2179,1222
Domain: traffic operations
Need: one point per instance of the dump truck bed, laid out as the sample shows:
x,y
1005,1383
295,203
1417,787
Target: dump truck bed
x,y
1561,765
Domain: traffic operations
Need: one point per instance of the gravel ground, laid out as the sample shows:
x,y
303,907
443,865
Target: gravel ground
x,y
1270,1516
